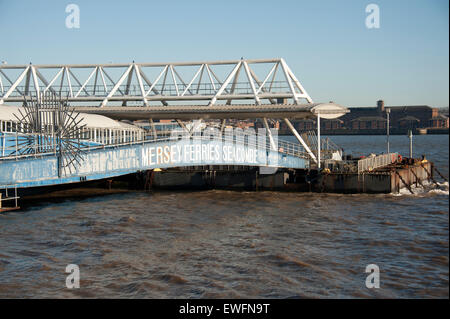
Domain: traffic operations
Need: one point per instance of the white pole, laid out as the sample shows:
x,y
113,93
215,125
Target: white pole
x,y
318,139
299,138
388,111
272,142
410,135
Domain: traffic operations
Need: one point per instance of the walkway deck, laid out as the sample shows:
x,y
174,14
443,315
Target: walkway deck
x,y
105,161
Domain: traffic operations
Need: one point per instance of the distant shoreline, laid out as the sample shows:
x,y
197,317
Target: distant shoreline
x,y
374,132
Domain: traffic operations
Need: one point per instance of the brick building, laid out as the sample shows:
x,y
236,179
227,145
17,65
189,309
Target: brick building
x,y
374,118
368,123
439,121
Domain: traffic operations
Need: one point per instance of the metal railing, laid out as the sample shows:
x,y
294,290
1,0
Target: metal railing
x,y
93,135
327,147
371,163
167,89
4,188
51,147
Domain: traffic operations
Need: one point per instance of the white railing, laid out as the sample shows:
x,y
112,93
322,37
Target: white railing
x,y
13,150
371,163
327,147
97,135
5,188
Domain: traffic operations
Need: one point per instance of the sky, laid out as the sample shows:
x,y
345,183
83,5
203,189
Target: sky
x,y
326,43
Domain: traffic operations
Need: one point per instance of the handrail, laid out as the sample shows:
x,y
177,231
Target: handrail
x,y
8,198
371,163
169,88
284,147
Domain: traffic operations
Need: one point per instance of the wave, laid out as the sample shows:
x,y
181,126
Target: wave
x,y
429,188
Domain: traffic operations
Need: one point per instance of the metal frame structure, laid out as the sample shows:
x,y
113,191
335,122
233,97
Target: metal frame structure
x,y
371,163
186,90
48,124
202,82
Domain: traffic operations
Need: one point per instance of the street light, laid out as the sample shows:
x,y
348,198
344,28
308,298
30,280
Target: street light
x,y
410,135
388,111
318,139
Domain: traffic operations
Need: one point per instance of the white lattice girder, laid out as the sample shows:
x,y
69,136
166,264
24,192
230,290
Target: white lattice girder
x,y
167,84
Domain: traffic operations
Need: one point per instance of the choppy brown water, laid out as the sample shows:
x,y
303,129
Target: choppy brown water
x,y
217,244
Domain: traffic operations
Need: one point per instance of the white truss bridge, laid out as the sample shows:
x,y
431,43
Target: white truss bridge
x,y
243,89
203,83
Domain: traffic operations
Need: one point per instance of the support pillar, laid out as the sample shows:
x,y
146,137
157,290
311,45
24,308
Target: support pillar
x,y
153,129
318,140
299,138
272,142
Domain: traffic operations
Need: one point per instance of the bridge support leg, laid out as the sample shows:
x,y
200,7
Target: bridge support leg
x,y
222,127
272,142
155,136
183,127
299,138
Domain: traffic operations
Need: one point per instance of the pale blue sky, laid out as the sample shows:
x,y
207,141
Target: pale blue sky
x,y
324,42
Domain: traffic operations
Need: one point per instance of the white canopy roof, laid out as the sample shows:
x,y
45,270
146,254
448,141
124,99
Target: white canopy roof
x,y
90,120
329,110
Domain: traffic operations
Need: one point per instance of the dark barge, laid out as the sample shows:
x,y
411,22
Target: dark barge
x,y
385,179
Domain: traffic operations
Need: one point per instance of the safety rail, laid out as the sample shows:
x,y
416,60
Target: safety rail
x,y
5,188
284,147
96,134
374,162
167,89
106,136
327,147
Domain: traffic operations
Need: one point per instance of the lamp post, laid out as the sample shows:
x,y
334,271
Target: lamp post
x,y
388,111
318,139
410,135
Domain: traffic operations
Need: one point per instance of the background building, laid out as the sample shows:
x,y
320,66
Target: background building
x,y
373,120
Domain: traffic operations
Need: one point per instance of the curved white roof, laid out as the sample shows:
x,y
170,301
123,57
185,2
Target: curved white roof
x,y
329,110
90,120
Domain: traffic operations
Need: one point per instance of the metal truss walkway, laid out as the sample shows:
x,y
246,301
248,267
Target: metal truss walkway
x,y
239,89
202,83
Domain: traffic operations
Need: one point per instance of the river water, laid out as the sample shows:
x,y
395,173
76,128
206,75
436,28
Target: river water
x,y
228,244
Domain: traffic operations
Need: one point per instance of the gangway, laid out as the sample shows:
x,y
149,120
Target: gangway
x,y
203,82
46,144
